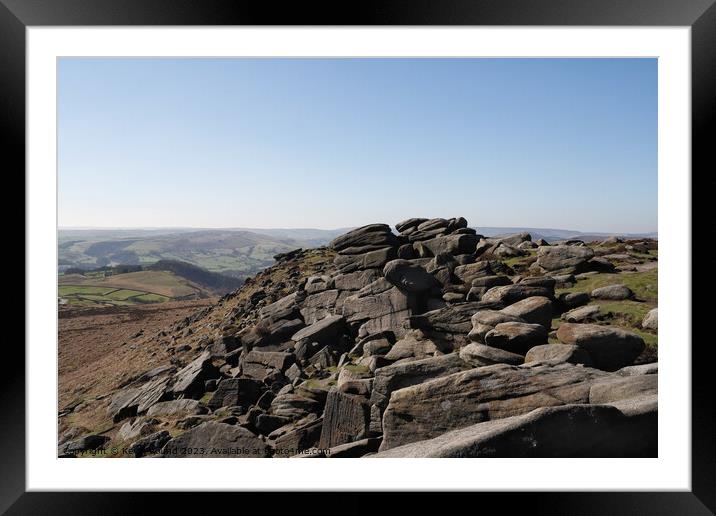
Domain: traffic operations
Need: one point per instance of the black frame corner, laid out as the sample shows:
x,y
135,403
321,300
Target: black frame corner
x,y
700,15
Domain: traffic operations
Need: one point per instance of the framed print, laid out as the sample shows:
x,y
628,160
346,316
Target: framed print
x,y
431,242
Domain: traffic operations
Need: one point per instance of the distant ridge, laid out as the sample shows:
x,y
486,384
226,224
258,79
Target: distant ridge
x,y
551,235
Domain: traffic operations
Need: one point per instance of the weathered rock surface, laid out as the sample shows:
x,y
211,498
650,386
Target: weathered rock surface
x,y
574,299
295,406
357,280
364,239
558,354
516,337
379,306
451,244
354,449
175,408
189,381
434,407
235,391
556,257
484,321
214,440
400,375
323,332
622,388
346,419
409,277
651,320
319,306
638,370
284,308
409,224
470,272
292,439
613,292
131,401
565,431
137,428
456,318
256,364
512,293
315,284
414,344
535,310
610,348
582,314
84,444
150,444
479,355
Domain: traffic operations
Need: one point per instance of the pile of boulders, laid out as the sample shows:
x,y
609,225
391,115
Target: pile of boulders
x,y
416,343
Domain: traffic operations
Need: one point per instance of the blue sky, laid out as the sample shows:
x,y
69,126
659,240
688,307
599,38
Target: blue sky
x,y
328,143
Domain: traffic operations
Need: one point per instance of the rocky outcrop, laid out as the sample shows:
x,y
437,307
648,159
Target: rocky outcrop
x,y
365,239
432,342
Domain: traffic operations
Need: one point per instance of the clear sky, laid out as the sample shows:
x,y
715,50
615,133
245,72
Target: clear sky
x,y
329,143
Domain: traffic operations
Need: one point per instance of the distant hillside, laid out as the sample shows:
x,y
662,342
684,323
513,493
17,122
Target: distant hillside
x,y
165,280
234,253
213,281
315,237
552,235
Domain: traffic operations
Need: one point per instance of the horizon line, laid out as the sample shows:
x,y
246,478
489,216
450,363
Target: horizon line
x,y
128,228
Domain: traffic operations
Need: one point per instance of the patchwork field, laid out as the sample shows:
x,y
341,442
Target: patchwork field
x,y
126,289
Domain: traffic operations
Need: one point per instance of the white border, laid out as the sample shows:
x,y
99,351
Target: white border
x,y
670,471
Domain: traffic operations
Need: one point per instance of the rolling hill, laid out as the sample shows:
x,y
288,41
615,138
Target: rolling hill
x,y
165,280
234,253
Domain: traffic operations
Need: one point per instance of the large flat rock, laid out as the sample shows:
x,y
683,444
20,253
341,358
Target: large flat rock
x,y
461,399
398,376
564,431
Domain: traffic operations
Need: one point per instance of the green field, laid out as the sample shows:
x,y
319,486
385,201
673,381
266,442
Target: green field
x,y
87,295
626,313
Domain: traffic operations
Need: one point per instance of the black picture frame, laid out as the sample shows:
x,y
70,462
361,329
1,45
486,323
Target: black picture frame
x,y
700,15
